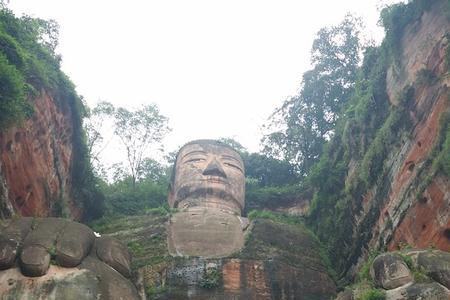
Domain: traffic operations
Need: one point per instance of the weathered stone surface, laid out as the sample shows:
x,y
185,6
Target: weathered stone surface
x,y
416,291
435,264
59,283
91,280
390,271
8,252
63,240
34,260
345,295
44,232
278,261
73,244
406,218
205,232
111,283
37,161
11,237
392,212
39,240
208,173
208,187
115,254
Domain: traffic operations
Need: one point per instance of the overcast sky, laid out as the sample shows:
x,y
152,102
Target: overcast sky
x,y
215,68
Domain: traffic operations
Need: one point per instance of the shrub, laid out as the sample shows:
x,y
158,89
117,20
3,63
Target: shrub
x,y
373,294
13,105
211,278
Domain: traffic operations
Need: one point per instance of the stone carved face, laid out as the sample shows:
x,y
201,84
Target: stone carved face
x,y
208,186
208,174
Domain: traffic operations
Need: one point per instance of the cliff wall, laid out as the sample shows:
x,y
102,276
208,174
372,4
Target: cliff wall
x,y
415,210
408,201
44,162
383,181
278,261
36,162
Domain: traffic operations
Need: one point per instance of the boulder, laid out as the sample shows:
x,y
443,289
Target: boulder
x,y
389,271
345,295
416,291
87,267
115,254
73,244
58,283
34,261
436,264
92,280
11,237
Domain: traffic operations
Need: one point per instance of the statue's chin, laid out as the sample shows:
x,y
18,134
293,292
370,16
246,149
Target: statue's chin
x,y
208,233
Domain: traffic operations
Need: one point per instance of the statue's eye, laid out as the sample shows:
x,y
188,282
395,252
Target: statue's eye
x,y
194,160
233,166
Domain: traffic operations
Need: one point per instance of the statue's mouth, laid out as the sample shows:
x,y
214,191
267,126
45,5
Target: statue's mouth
x,y
215,179
202,193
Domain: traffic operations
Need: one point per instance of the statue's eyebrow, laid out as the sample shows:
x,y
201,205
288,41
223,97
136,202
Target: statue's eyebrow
x,y
194,152
232,158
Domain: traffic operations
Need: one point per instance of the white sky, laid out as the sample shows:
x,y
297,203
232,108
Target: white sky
x,y
215,68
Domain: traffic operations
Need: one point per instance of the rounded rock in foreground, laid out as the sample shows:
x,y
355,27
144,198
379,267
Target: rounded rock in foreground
x,y
115,254
389,271
416,291
34,261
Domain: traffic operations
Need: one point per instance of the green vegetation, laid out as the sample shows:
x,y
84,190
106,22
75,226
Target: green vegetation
x,y
373,294
273,231
396,17
29,67
269,182
309,119
211,278
154,292
267,197
121,198
28,64
441,151
342,150
140,182
274,216
419,275
144,234
364,272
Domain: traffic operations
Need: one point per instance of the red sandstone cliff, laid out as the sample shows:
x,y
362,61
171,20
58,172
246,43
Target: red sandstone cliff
x,y
36,161
419,220
412,201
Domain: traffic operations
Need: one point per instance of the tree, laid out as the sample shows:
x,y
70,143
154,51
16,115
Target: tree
x,y
261,169
137,130
306,121
93,123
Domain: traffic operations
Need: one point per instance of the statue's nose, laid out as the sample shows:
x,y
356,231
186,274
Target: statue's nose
x,y
214,169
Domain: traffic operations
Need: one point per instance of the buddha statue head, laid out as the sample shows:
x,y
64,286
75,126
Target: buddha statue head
x,y
207,188
208,173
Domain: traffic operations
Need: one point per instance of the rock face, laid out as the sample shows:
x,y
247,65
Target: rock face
x,y
409,202
278,261
393,276
390,271
206,232
53,258
93,279
436,264
208,187
421,220
36,162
